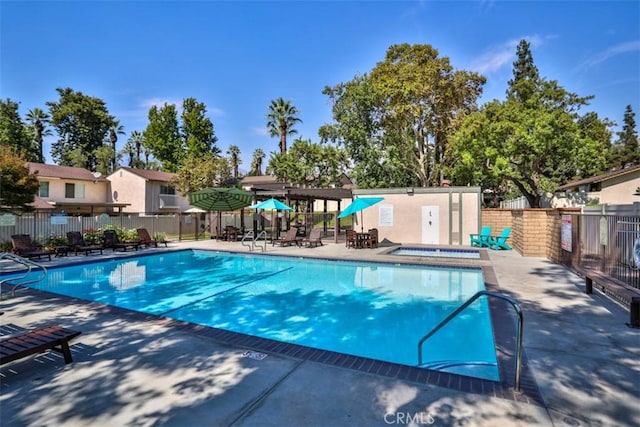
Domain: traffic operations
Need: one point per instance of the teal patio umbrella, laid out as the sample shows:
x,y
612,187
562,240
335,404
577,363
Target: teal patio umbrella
x,y
358,205
271,205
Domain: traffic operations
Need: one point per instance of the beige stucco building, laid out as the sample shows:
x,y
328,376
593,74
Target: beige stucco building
x,y
616,188
72,190
438,216
146,191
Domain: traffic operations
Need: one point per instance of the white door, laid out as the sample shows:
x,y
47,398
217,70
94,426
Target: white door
x,y
431,225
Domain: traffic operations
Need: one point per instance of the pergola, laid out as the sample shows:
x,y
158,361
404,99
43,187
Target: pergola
x,y
293,194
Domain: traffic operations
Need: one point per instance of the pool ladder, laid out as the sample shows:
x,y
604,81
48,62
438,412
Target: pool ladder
x,y
29,264
253,242
467,303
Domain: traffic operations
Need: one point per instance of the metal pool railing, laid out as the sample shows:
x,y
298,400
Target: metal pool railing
x,y
17,281
466,304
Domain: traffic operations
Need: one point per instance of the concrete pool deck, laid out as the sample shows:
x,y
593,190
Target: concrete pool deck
x,y
145,371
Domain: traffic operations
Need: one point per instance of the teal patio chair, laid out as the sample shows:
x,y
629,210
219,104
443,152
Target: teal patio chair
x,y
481,240
500,242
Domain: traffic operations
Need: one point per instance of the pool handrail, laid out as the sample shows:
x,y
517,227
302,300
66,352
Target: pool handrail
x,y
29,264
254,241
466,304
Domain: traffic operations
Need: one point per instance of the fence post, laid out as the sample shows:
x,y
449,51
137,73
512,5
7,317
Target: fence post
x,y
634,313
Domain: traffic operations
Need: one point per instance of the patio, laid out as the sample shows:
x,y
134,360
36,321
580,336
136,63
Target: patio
x,y
131,369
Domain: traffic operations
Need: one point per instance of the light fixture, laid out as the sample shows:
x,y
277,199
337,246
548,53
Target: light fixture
x,y
410,190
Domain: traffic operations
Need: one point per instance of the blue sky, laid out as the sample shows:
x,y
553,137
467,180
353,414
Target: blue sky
x,y
238,56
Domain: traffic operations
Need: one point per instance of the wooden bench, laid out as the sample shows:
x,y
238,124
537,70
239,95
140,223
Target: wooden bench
x,y
621,292
37,341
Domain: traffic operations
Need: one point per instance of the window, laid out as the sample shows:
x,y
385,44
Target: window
x,y
74,191
167,189
43,191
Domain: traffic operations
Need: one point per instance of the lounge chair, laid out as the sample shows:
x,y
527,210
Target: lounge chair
x,y
37,341
146,239
314,238
25,247
290,238
112,241
77,243
481,240
500,242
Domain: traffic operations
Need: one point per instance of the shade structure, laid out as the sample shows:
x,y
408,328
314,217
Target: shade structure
x,y
220,199
270,205
358,205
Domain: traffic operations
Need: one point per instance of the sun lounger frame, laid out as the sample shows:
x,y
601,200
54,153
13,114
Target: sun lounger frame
x,y
37,341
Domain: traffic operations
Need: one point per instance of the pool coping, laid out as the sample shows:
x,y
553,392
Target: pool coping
x,y
504,335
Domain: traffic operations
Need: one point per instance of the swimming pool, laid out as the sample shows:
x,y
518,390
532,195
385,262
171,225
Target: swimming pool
x,y
373,310
437,252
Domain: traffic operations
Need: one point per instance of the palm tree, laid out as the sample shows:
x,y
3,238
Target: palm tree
x,y
39,120
114,130
136,139
281,118
256,162
234,158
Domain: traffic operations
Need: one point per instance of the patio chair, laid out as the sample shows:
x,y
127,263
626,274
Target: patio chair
x,y
25,247
481,240
500,242
112,241
352,239
146,239
77,243
314,238
290,238
373,240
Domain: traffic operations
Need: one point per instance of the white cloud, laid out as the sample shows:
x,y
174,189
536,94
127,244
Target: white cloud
x,y
261,131
611,52
499,56
159,102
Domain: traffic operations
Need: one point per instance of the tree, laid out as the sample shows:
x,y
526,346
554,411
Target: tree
x,y
525,75
626,150
358,130
162,137
114,130
256,162
534,140
197,129
281,119
82,123
18,186
39,120
395,122
105,159
423,100
200,172
13,133
234,159
316,165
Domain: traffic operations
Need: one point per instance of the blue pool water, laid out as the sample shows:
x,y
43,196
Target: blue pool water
x,y
372,310
438,253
